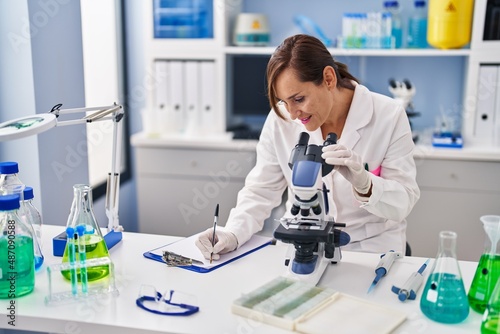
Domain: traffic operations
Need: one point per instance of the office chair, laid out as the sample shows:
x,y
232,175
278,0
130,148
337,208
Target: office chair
x,y
408,249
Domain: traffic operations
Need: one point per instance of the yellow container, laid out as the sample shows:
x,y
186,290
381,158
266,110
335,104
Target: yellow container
x,y
449,23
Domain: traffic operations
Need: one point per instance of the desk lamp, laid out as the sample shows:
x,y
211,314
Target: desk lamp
x,y
35,124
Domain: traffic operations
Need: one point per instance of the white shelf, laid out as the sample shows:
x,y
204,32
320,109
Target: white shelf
x,y
238,50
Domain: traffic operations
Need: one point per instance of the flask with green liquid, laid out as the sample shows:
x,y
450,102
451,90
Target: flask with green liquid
x,y
488,269
82,218
491,316
444,299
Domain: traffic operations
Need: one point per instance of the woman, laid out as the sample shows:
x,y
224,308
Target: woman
x,y
309,91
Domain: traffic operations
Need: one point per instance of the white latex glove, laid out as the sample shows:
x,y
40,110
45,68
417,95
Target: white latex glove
x,y
349,164
225,242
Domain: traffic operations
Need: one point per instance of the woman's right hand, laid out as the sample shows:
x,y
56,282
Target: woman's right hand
x,y
225,242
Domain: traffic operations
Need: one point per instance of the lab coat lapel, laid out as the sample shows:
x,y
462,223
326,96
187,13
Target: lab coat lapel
x,y
359,116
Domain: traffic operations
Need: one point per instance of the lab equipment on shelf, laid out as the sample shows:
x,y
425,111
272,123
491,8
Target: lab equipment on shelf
x,y
417,26
251,29
449,23
366,31
444,299
392,7
183,19
82,214
17,263
488,269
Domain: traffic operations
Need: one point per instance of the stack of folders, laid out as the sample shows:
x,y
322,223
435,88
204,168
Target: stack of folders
x,y
306,308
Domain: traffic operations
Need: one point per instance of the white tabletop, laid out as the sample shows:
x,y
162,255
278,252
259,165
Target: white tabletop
x,y
215,292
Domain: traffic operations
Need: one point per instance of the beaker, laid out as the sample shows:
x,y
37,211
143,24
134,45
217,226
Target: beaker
x,y
492,313
488,268
91,242
444,298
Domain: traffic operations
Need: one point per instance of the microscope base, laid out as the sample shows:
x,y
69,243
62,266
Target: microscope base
x,y
320,267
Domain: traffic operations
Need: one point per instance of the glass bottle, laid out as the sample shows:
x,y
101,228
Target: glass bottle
x,y
17,264
491,315
444,299
488,268
82,214
9,171
33,217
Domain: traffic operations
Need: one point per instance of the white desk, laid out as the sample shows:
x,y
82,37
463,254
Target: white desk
x,y
215,292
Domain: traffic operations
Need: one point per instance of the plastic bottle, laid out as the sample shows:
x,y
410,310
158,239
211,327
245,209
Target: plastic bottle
x,y
9,171
17,263
449,23
397,23
417,26
82,214
35,219
491,316
488,269
444,299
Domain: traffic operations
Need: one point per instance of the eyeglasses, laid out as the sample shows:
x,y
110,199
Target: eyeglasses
x,y
169,303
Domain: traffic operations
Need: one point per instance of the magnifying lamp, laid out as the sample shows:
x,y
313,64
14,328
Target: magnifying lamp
x,y
35,124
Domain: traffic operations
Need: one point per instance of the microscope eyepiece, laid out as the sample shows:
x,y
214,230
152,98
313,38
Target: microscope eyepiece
x,y
303,139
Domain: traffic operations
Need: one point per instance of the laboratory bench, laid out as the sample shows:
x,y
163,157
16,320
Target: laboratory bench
x,y
215,292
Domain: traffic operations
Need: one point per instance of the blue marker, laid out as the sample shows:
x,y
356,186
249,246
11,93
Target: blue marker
x,y
70,233
410,288
80,229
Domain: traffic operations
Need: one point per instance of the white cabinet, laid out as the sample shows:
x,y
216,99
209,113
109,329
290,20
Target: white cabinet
x,y
179,183
456,190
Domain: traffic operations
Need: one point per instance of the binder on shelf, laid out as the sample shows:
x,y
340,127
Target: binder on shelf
x,y
207,97
496,127
187,248
159,115
485,108
175,82
192,94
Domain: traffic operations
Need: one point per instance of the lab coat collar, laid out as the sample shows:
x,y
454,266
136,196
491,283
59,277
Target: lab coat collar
x,y
359,116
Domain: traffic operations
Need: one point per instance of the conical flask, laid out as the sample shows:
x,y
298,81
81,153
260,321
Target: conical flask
x,y
488,268
444,298
491,316
92,243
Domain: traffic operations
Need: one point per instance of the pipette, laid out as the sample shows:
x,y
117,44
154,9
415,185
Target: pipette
x,y
411,286
70,233
386,261
80,229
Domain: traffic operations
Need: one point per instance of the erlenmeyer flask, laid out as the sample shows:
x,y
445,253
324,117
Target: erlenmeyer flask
x,y
491,316
488,268
82,214
444,299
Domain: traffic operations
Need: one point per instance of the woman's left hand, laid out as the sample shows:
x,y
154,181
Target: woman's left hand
x,y
350,165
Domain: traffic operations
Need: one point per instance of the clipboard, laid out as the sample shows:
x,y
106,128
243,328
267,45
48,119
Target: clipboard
x,y
186,247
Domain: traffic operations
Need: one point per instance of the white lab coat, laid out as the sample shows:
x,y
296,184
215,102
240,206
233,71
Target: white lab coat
x,y
377,129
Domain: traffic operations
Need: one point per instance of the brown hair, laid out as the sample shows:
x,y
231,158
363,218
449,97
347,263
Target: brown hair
x,y
308,57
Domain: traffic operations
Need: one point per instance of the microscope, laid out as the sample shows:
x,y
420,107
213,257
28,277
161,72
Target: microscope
x,y
312,233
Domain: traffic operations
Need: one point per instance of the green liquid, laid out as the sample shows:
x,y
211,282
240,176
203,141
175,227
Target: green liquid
x,y
487,275
490,325
444,299
95,247
17,274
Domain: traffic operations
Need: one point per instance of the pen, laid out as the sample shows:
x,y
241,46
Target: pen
x,y
216,217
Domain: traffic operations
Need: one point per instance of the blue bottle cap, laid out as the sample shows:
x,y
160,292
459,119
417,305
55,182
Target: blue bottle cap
x,y
419,3
28,193
9,167
9,202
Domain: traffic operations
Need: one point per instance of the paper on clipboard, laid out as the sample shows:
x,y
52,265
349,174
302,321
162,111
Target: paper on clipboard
x,y
186,247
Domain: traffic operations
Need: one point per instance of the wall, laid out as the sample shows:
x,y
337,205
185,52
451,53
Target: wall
x,y
41,61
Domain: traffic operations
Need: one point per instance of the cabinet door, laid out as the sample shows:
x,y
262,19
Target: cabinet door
x,y
183,206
